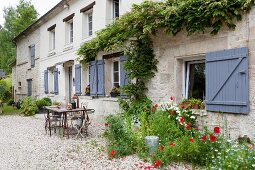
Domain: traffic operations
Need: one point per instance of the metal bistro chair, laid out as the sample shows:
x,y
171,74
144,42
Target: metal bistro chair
x,y
53,122
81,122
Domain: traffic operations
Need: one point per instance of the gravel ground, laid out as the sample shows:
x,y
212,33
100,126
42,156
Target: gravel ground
x,y
24,146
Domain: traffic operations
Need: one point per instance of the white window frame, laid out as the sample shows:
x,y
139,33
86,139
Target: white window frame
x,y
70,31
52,39
115,60
51,80
186,71
90,14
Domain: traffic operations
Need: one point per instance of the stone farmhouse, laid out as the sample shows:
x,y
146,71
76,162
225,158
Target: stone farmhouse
x,y
219,69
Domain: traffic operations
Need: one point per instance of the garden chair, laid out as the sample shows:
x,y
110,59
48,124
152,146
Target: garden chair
x,y
53,122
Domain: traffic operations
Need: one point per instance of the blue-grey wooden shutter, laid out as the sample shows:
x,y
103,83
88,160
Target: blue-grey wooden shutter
x,y
100,75
32,52
93,78
46,86
123,74
227,81
29,87
56,80
78,79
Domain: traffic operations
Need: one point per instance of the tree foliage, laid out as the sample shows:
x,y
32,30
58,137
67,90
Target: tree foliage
x,y
17,19
131,32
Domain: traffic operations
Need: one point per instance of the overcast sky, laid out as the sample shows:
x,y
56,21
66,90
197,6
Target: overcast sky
x,y
41,6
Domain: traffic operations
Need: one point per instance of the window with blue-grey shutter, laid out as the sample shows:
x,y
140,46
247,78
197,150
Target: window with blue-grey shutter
x,y
93,78
97,78
56,80
46,87
227,81
123,74
29,87
100,73
78,79
32,53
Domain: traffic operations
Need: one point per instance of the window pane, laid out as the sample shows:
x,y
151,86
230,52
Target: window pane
x,y
90,23
116,84
116,66
71,32
116,77
196,84
116,8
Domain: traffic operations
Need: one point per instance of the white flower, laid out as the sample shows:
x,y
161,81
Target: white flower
x,y
192,117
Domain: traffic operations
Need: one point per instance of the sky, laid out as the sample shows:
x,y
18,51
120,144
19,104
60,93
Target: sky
x,y
41,6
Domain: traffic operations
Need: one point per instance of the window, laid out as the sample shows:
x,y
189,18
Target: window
x,y
90,19
32,55
195,80
116,75
116,10
52,39
51,80
29,87
70,31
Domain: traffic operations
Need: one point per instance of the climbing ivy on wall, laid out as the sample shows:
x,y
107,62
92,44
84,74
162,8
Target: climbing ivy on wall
x,y
131,32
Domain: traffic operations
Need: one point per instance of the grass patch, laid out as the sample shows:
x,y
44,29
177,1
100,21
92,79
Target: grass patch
x,y
9,110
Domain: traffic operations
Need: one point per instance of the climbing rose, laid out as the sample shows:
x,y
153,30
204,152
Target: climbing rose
x,y
112,153
171,145
156,105
212,138
191,140
157,163
203,138
216,130
171,98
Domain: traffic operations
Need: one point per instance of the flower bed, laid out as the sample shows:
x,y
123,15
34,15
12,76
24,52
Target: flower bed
x,y
180,138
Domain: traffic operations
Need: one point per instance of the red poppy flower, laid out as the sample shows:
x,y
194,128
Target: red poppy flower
x,y
187,127
112,153
156,105
212,138
171,98
106,124
191,140
157,163
216,130
153,109
171,112
171,145
189,123
203,138
161,147
181,119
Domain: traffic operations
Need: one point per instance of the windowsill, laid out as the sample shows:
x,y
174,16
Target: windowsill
x,y
113,99
200,112
68,47
22,63
87,39
19,86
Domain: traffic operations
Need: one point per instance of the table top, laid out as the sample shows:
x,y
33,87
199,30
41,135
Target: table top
x,y
62,109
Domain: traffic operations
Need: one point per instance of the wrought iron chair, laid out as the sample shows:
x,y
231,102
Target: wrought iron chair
x,y
53,121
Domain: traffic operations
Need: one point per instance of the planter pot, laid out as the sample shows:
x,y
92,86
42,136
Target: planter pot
x,y
114,94
195,106
152,142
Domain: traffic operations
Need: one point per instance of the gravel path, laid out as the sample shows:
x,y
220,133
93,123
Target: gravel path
x,y
24,145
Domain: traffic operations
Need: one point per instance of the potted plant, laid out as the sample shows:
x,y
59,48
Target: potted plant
x,y
115,92
196,103
87,90
184,104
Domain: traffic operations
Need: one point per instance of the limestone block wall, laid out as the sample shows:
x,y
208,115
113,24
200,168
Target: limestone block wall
x,y
23,70
172,52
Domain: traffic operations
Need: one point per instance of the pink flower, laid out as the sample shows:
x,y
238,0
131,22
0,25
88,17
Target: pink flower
x,y
156,105
181,119
171,98
216,130
212,138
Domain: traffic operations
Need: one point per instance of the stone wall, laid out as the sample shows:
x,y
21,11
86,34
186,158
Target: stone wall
x,y
23,70
172,52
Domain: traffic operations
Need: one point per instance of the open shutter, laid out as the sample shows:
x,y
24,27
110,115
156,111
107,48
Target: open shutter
x,y
123,74
46,88
78,79
227,81
32,48
93,78
56,80
100,73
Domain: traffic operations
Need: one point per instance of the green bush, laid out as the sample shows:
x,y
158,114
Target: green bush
x,y
28,106
119,136
43,102
4,93
10,102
